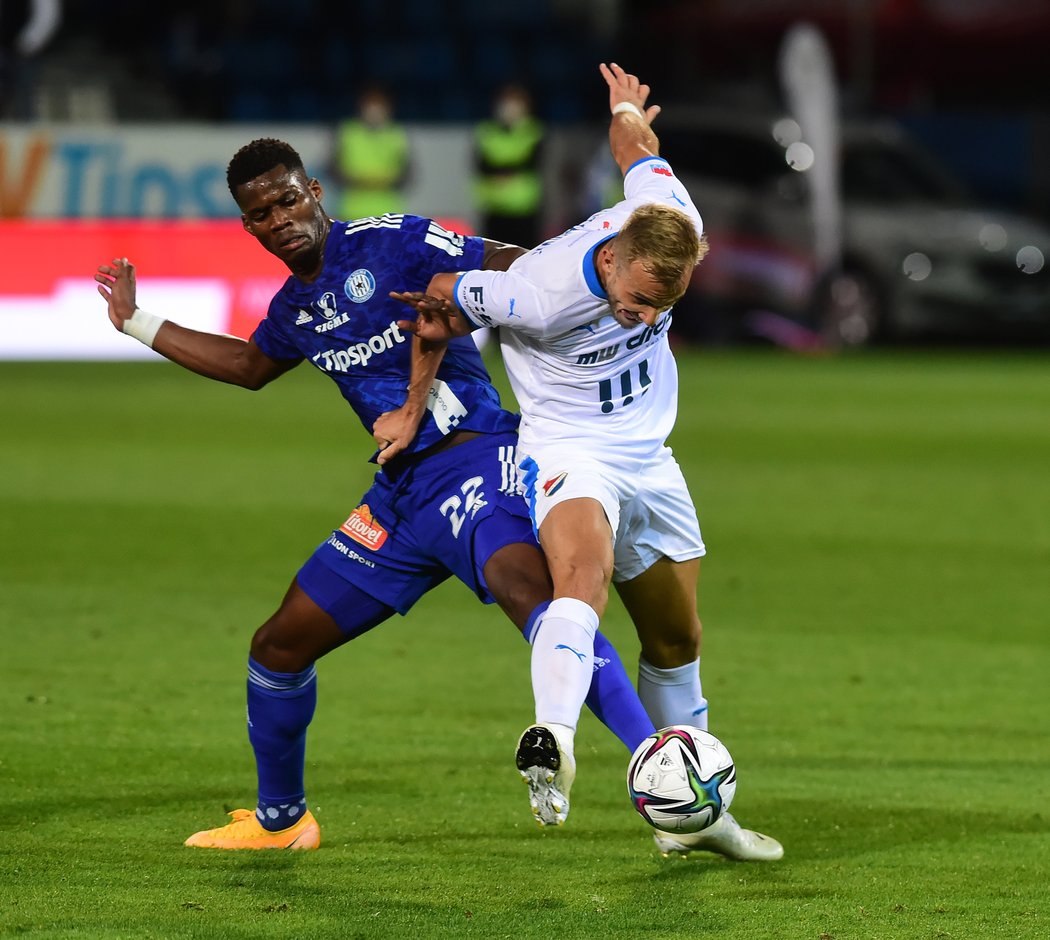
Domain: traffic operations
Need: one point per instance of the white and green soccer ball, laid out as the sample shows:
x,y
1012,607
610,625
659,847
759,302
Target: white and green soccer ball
x,y
681,779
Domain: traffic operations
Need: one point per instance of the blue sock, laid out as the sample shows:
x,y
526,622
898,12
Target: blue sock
x,y
280,707
612,697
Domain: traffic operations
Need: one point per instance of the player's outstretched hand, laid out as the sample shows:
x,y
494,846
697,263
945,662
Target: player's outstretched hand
x,y
438,320
116,285
625,87
393,432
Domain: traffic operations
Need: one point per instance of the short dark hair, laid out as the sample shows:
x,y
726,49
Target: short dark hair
x,y
259,157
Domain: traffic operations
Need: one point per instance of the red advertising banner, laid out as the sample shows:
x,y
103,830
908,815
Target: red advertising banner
x,y
208,275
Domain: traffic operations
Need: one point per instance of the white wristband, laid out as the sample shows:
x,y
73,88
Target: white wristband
x,y
143,326
627,107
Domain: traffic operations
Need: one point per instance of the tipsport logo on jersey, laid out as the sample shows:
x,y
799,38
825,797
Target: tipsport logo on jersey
x,y
358,354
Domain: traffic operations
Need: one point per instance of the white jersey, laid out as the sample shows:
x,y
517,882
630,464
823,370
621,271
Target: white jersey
x,y
578,374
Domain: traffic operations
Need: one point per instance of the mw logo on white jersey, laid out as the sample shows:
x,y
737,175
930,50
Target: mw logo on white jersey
x,y
598,355
609,352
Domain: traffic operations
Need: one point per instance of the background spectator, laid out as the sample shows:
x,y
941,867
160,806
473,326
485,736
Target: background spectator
x,y
508,181
372,158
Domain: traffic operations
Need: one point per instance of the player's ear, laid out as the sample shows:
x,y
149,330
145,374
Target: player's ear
x,y
316,188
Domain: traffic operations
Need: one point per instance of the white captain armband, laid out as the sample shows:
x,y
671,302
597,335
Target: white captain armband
x,y
143,326
626,107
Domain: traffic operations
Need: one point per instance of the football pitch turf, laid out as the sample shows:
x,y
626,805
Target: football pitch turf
x,y
875,601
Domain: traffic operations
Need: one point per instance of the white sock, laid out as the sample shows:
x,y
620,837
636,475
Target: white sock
x,y
673,696
563,661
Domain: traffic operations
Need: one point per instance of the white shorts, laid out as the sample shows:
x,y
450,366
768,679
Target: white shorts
x,y
647,503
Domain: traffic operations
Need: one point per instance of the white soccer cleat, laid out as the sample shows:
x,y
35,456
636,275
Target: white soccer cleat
x,y
549,769
724,837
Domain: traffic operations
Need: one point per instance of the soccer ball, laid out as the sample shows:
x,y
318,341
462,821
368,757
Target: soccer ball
x,y
681,779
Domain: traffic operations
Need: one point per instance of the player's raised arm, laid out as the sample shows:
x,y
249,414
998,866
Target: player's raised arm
x,y
213,355
630,136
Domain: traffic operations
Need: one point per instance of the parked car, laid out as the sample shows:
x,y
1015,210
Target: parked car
x,y
920,256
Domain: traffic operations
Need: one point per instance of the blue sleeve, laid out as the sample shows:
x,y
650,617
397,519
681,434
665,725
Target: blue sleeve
x,y
273,340
433,248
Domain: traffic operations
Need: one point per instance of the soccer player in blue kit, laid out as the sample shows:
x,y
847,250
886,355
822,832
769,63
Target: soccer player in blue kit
x,y
445,502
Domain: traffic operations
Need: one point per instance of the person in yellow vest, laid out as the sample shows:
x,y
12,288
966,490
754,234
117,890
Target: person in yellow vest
x,y
372,158
508,180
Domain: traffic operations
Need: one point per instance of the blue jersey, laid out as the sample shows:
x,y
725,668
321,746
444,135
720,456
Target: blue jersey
x,y
345,323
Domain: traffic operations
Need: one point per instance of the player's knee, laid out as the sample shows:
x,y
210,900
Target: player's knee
x,y
519,581
279,649
585,578
674,645
519,602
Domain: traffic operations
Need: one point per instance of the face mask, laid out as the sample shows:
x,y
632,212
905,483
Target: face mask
x,y
375,113
510,111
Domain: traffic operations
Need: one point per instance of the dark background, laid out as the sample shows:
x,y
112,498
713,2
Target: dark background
x,y
969,77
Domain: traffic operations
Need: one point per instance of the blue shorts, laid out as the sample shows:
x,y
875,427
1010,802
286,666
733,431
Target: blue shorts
x,y
415,528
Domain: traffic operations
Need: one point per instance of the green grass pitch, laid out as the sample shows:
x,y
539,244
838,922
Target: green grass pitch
x,y
875,600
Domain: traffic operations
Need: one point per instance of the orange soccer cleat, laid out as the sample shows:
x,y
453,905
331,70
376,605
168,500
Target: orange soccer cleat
x,y
245,832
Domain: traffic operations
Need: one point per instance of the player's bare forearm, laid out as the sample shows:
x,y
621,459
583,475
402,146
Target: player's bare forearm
x,y
443,287
426,360
395,430
215,356
630,137
227,359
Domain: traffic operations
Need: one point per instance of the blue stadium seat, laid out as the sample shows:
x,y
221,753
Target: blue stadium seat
x,y
552,63
338,63
492,61
246,105
423,17
504,17
455,104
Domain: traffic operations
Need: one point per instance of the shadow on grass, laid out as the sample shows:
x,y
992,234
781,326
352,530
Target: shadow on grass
x,y
842,829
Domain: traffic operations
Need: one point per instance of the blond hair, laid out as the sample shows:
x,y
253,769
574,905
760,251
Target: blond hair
x,y
666,243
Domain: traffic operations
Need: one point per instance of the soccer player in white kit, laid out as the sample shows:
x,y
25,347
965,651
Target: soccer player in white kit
x,y
583,324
